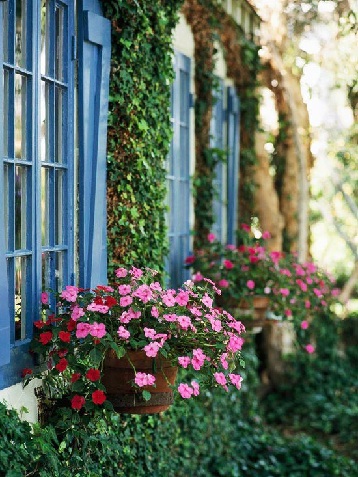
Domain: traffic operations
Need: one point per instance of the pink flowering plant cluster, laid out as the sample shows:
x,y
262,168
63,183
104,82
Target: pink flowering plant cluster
x,y
135,313
296,291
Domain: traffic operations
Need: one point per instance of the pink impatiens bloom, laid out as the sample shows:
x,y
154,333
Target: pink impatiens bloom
x,y
197,277
228,264
123,333
168,298
185,391
250,284
98,330
125,301
304,325
98,307
150,333
70,293
44,298
154,312
184,322
223,283
196,388
143,379
223,360
182,298
198,359
207,300
235,343
77,312
284,291
83,330
136,272
211,237
184,361
144,293
124,289
121,272
266,235
220,378
310,349
151,350
236,380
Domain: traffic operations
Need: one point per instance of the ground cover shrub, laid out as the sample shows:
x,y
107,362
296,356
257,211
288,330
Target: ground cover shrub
x,y
320,392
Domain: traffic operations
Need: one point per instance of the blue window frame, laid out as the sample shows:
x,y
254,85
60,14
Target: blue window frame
x,y
217,141
38,173
179,173
233,144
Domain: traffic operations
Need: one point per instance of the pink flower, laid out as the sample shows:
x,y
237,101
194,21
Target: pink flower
x,y
168,298
98,307
182,298
154,312
304,325
44,298
235,343
98,330
121,272
335,292
151,350
198,359
307,304
184,361
123,333
266,235
236,380
220,378
143,379
223,360
136,272
125,301
124,289
288,312
197,277
228,264
170,317
223,283
156,286
144,293
250,284
70,293
275,256
230,246
284,291
83,330
211,237
310,349
184,322
185,391
196,388
77,312
150,333
207,300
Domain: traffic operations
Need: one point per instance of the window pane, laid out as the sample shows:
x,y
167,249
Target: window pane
x,y
44,101
20,115
45,201
21,191
58,207
20,37
6,113
20,297
44,38
58,124
5,22
59,43
6,205
59,272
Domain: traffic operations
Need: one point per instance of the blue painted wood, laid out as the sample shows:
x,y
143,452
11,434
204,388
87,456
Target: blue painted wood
x,y
233,121
179,173
94,66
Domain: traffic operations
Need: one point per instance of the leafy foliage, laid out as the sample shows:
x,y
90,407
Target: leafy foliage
x,y
139,129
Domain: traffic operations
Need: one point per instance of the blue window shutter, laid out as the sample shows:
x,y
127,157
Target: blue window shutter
x,y
233,141
94,66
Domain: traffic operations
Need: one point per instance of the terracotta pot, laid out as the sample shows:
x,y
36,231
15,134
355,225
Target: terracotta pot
x,y
259,304
118,374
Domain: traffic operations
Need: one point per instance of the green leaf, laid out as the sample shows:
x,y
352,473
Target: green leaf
x,y
146,395
95,356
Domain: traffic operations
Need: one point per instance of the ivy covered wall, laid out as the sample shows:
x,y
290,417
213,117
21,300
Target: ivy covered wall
x,y
139,120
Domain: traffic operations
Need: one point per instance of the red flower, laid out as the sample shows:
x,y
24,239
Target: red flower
x,y
77,402
64,336
93,374
39,324
71,325
75,377
110,301
45,337
62,352
98,397
26,371
61,365
190,259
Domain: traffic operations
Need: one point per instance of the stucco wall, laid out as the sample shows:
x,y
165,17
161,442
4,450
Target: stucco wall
x,y
19,398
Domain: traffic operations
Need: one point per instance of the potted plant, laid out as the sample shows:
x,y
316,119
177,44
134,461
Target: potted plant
x,y
119,346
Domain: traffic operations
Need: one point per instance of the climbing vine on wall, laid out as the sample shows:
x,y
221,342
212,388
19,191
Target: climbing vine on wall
x,y
139,129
